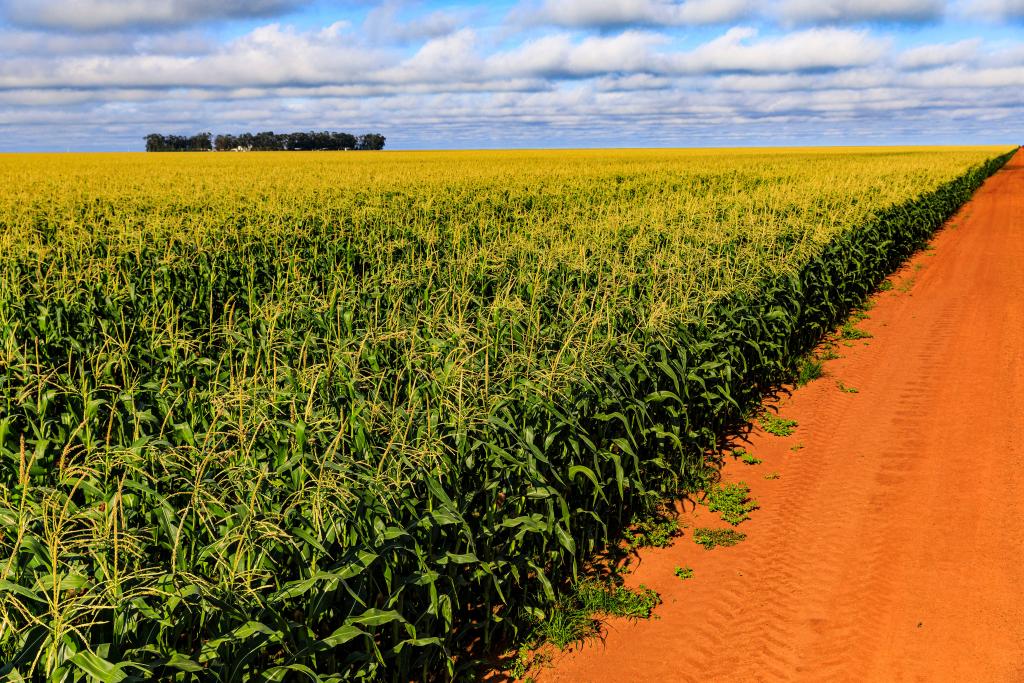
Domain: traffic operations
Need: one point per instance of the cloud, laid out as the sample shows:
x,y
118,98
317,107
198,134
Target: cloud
x,y
19,42
927,56
968,78
623,13
441,59
269,55
855,11
49,44
995,10
100,15
384,24
559,56
807,50
276,56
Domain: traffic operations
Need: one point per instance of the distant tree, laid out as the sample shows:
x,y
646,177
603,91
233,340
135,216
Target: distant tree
x,y
156,143
200,143
267,141
371,141
344,141
300,142
223,143
178,143
264,141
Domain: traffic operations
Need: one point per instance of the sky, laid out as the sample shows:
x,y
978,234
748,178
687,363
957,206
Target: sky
x,y
98,75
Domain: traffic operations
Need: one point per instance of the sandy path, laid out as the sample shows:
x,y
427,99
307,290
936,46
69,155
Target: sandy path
x,y
891,548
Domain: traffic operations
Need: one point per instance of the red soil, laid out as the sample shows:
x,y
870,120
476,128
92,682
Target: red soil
x,y
891,547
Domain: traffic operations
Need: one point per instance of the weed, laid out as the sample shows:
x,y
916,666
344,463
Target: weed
x,y
566,623
808,369
779,426
711,538
797,447
828,352
849,332
654,531
575,616
849,390
526,660
907,285
733,501
745,456
596,597
885,286
684,573
771,475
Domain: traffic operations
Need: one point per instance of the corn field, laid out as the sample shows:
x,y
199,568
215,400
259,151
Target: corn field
x,y
359,417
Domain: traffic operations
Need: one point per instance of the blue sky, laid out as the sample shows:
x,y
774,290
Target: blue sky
x,y
86,75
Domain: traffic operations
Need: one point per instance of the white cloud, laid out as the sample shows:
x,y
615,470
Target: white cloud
x,y
47,44
21,42
808,50
97,15
557,55
281,56
618,13
926,56
854,11
965,77
440,59
269,55
994,10
385,24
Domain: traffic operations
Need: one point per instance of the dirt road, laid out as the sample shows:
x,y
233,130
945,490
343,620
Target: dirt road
x,y
891,547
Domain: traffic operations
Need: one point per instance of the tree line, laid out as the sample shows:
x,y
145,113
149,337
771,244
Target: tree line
x,y
179,143
267,141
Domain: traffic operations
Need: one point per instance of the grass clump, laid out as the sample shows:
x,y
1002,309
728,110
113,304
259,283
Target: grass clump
x,y
576,616
859,315
850,332
750,459
525,661
845,389
565,624
774,424
746,457
654,531
713,538
907,285
684,573
808,369
828,352
732,501
617,601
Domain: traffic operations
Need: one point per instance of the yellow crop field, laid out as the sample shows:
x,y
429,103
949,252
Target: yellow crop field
x,y
362,416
